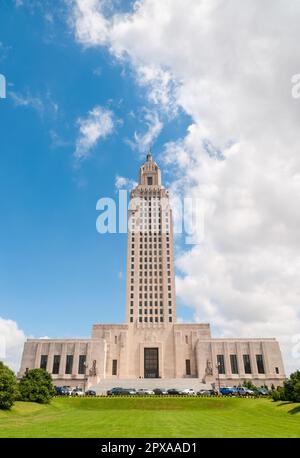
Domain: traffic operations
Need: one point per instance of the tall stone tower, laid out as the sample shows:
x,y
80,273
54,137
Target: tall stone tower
x,y
150,294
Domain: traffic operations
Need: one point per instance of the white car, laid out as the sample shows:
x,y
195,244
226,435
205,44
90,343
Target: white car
x,y
78,392
188,392
143,392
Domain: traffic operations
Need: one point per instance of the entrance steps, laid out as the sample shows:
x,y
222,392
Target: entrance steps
x,y
151,383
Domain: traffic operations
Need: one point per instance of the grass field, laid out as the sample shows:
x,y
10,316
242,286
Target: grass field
x,y
152,417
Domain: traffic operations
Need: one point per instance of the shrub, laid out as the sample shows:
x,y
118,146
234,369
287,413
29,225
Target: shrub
x,y
248,384
291,387
278,395
8,387
36,386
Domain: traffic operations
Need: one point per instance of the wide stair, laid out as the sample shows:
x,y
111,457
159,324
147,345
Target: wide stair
x,y
151,383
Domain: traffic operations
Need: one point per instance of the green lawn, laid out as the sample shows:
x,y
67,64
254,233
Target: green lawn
x,y
152,417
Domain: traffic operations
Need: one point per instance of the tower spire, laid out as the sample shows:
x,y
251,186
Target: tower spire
x,y
149,156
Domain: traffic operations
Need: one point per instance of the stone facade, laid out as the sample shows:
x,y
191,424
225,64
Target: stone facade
x,y
151,344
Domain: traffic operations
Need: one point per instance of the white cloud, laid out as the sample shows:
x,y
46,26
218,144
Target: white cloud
x,y
41,104
28,100
98,124
143,141
124,183
11,343
229,67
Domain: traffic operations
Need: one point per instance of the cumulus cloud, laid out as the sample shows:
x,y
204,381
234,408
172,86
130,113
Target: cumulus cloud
x,y
12,339
143,141
124,183
98,124
228,67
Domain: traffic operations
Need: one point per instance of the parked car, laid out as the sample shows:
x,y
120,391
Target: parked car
x,y
227,391
207,393
160,391
145,392
78,392
188,392
61,391
262,391
118,391
90,393
174,392
243,391
68,390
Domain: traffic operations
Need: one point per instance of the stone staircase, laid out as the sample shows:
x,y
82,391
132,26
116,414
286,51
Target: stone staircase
x,y
151,383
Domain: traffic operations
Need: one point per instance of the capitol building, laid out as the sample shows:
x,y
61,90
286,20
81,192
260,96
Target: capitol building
x,y
151,349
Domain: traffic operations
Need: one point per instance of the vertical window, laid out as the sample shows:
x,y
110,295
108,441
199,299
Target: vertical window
x,y
260,364
221,364
247,365
56,363
277,370
114,367
44,361
234,364
188,367
149,181
81,365
69,364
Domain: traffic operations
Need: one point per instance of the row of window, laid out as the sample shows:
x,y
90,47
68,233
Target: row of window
x,y
151,311
69,364
152,239
149,238
151,303
151,319
152,273
246,363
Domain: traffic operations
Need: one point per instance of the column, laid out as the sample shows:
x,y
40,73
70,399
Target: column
x,y
50,357
63,358
240,360
37,362
214,360
253,360
76,359
268,372
227,360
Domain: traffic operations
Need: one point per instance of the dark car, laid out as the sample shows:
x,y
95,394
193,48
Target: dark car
x,y
61,391
118,391
262,391
207,393
174,392
160,391
90,393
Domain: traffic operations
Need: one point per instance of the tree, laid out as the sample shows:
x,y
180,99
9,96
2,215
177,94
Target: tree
x,y
291,387
36,386
248,384
8,387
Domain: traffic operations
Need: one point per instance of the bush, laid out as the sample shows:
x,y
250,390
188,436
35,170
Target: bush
x,y
8,387
36,386
278,395
291,387
248,384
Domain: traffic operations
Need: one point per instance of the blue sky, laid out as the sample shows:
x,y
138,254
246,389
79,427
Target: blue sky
x,y
58,276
